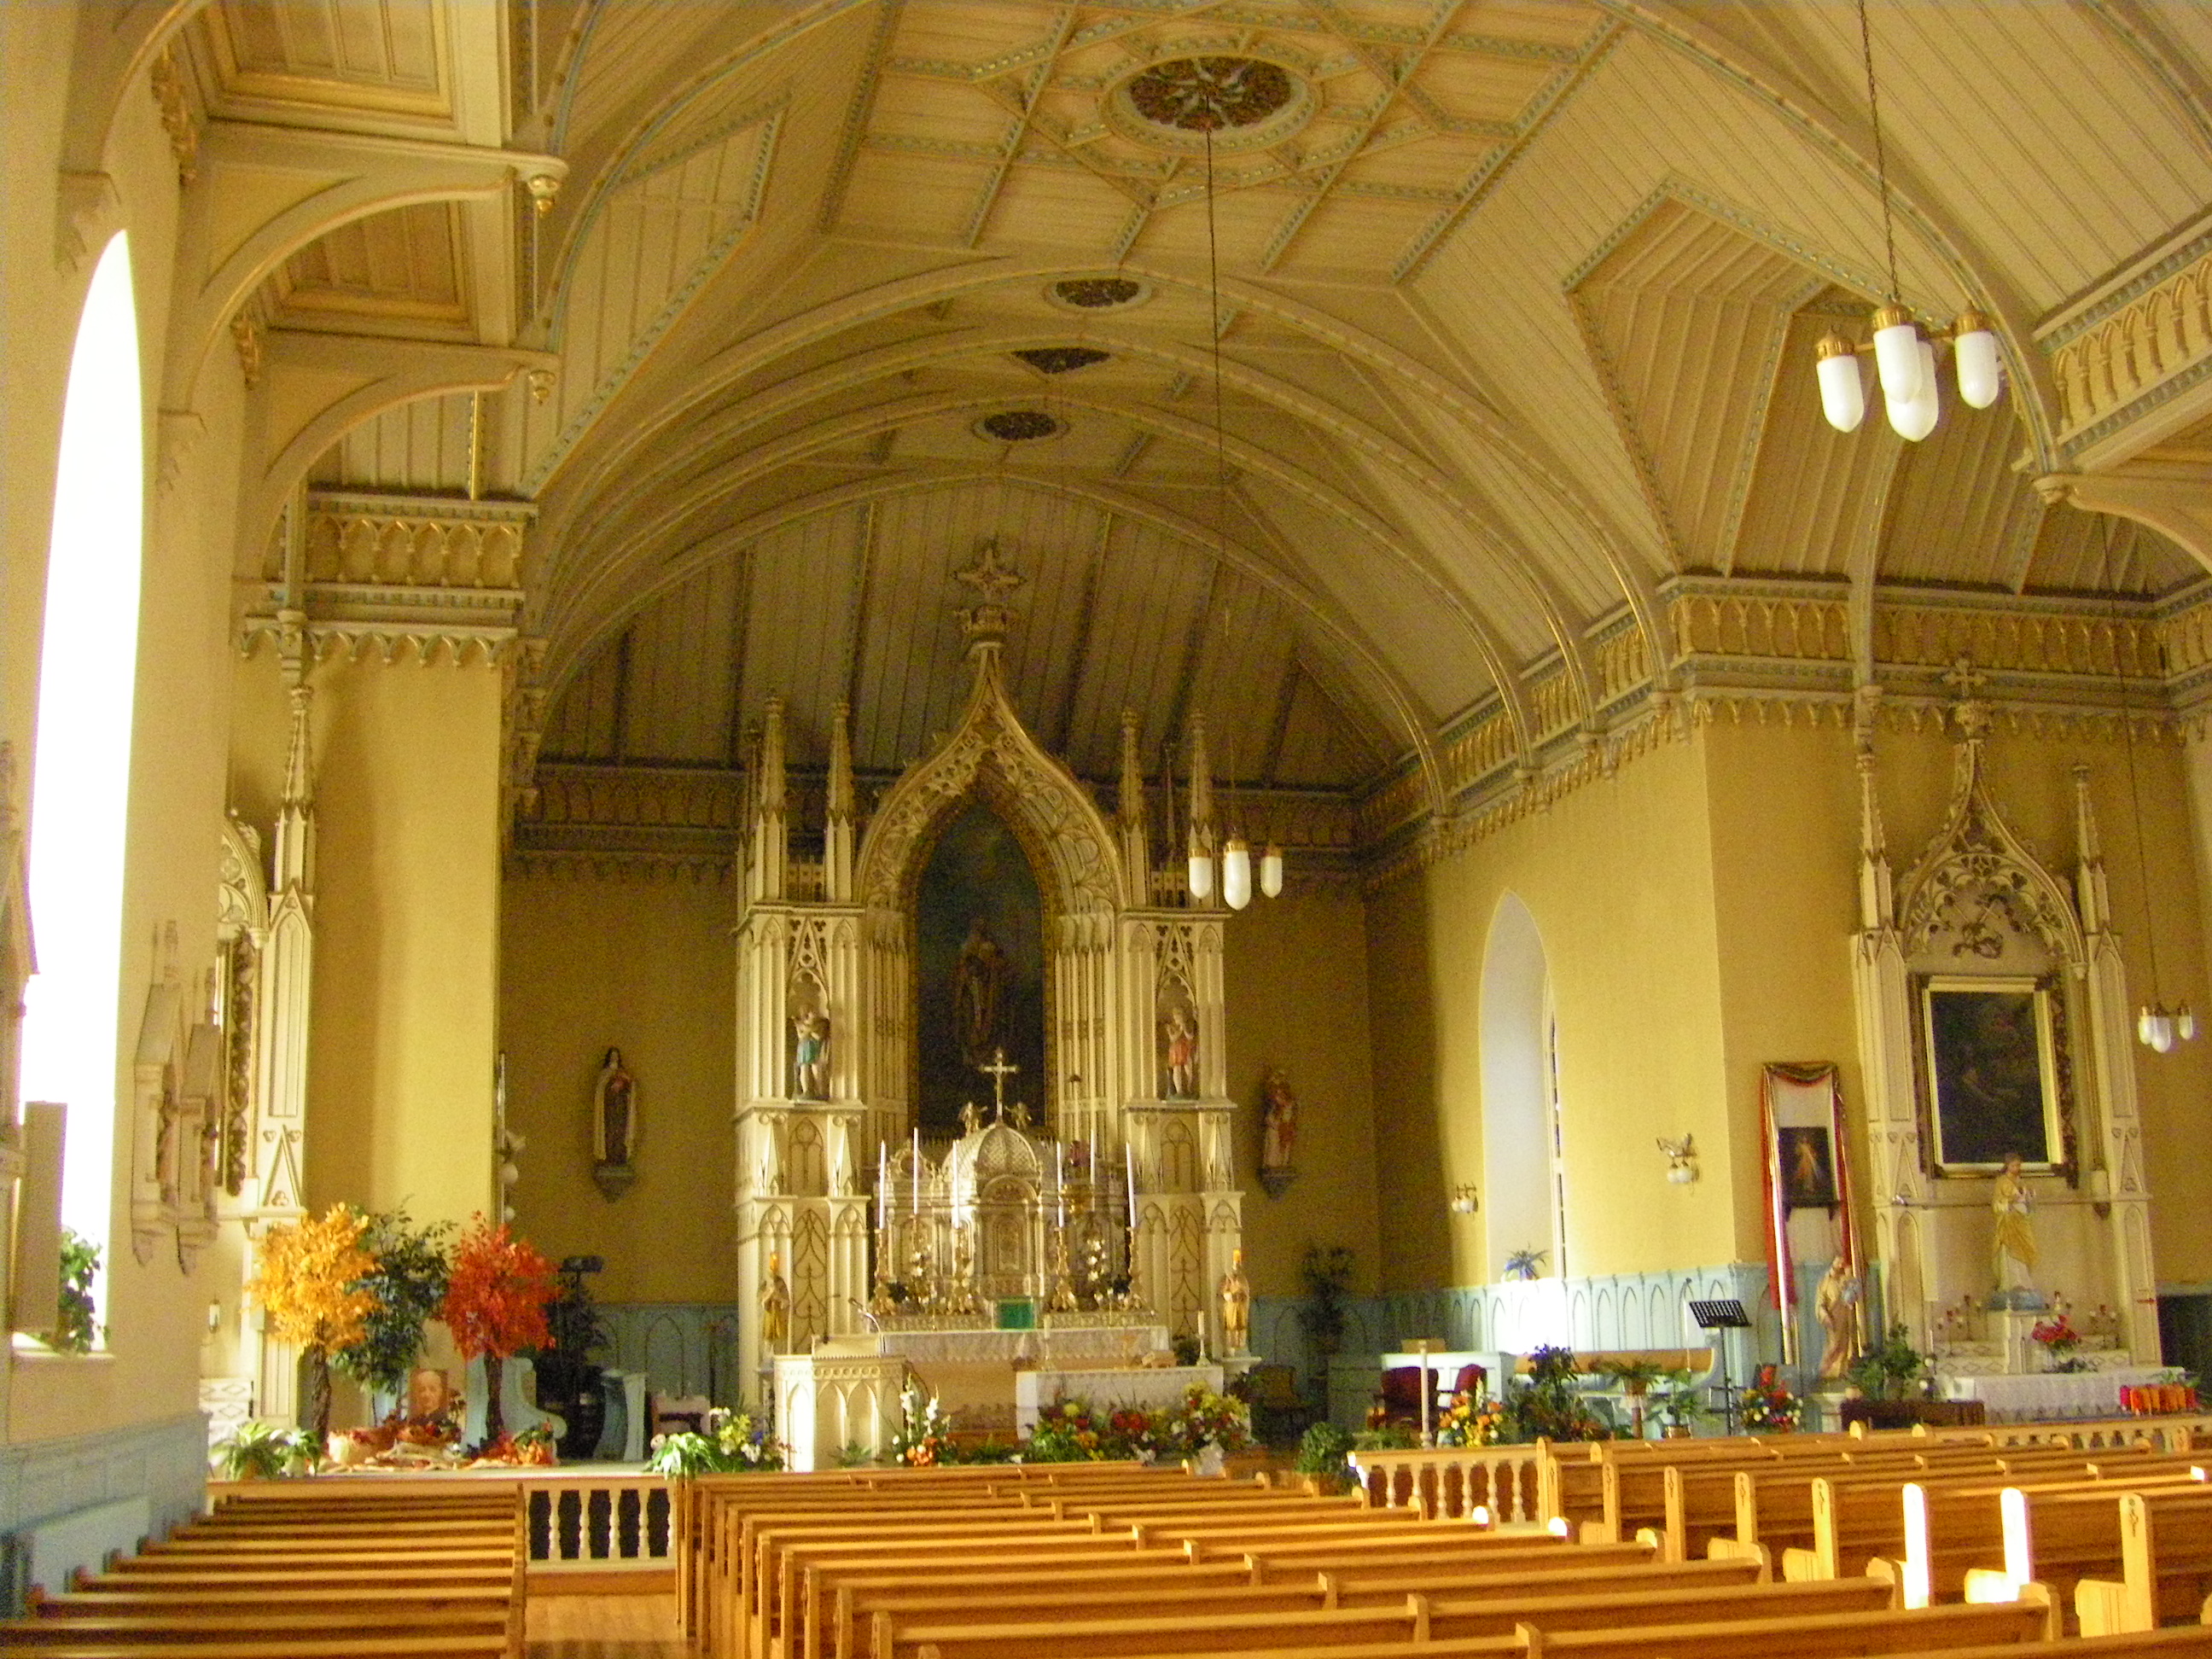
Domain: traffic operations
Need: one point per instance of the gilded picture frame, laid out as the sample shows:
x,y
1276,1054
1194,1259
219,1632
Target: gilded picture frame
x,y
1991,1074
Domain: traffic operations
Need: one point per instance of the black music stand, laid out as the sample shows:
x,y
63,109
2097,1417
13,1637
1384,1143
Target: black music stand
x,y
1722,1316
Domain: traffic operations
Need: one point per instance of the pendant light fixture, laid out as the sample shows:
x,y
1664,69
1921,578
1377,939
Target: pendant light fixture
x,y
2157,1026
1904,351
1236,860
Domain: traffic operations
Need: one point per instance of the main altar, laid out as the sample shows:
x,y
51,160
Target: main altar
x,y
983,1121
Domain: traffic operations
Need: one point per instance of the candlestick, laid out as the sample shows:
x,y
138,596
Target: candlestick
x,y
1129,1164
917,1171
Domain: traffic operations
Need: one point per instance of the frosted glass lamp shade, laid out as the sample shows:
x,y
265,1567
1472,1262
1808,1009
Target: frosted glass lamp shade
x,y
1842,386
1201,872
2155,1027
2184,1023
1897,358
1914,418
1236,873
1974,348
1271,871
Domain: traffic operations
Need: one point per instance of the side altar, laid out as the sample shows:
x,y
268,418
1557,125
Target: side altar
x,y
887,1218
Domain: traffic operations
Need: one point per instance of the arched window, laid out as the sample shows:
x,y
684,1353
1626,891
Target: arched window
x,y
80,780
1524,1191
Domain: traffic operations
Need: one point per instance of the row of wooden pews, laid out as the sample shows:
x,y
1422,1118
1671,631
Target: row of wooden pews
x,y
1114,1562
305,1571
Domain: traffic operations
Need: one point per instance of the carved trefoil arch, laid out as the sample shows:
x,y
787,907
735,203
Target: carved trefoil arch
x,y
1980,904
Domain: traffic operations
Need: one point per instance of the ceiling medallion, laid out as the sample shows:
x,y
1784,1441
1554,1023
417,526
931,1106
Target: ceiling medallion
x,y
1097,293
1246,103
1059,359
1018,426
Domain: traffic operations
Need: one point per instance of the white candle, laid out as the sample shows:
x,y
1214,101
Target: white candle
x,y
883,1186
1129,1162
917,1170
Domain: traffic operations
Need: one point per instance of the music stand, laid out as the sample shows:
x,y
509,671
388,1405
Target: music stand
x,y
1722,1315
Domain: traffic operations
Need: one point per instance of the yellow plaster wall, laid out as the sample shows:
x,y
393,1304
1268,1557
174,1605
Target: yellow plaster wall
x,y
1619,877
154,1310
646,967
1297,987
399,1084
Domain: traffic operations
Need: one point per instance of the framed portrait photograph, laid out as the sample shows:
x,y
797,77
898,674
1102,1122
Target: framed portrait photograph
x,y
1991,1067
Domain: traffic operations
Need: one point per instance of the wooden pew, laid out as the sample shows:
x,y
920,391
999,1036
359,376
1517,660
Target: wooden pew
x,y
1421,1618
2165,1565
1952,1530
1161,1593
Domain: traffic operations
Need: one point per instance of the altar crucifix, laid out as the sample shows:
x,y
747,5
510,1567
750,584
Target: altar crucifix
x,y
999,1070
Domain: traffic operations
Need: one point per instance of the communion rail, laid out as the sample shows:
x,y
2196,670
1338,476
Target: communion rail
x,y
1453,1481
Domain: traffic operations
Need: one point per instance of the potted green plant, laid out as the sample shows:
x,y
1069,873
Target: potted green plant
x,y
1679,1401
1322,1451
1634,1378
75,1317
407,1278
1326,1271
261,1450
1893,1383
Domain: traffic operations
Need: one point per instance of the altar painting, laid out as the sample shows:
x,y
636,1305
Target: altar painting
x,y
1989,1048
979,964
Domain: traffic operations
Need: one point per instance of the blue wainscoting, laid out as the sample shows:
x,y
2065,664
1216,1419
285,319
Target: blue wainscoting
x,y
157,1471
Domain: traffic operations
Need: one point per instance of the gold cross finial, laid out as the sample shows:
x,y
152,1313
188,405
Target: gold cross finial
x,y
1965,679
987,576
998,1071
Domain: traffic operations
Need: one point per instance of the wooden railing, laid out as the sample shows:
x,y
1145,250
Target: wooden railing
x,y
582,1523
1453,1481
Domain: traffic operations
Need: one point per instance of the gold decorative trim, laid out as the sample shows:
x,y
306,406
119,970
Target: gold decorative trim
x,y
2105,370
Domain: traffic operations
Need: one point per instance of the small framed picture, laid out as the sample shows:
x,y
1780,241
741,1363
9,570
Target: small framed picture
x,y
1809,1167
1991,1067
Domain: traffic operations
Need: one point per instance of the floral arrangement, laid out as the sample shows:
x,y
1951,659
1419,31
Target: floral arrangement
x,y
1323,1456
307,1280
495,1295
1549,1406
2062,1342
1525,1264
924,1438
732,1443
1470,1420
1204,1419
260,1450
1768,1407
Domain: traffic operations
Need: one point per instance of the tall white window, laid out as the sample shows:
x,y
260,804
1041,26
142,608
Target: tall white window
x,y
80,781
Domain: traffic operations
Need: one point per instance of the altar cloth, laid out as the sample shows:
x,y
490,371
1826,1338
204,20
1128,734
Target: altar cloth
x,y
2049,1395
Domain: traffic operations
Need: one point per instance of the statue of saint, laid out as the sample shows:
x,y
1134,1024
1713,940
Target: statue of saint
x,y
979,987
809,1063
615,1115
1280,1125
2011,1251
776,1308
1835,1304
1236,1307
1182,1054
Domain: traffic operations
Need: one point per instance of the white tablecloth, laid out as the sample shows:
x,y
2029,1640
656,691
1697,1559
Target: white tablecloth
x,y
1161,1385
1113,1345
2048,1394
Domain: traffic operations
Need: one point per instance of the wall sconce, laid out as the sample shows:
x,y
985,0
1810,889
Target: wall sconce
x,y
1681,1159
1463,1201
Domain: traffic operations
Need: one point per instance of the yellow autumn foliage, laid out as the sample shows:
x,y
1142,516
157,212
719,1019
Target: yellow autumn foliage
x,y
302,1276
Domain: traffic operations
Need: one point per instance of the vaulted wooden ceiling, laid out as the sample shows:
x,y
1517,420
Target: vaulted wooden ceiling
x,y
1517,300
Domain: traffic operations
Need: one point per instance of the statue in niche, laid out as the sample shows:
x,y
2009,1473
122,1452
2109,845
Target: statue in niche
x,y
614,1120
1279,1121
810,1063
978,989
775,1307
1180,1038
1236,1308
2012,1248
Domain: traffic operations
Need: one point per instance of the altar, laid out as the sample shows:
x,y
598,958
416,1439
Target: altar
x,y
2038,1396
845,1394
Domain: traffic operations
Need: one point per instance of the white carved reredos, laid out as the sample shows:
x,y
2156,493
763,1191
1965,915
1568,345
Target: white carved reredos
x,y
1977,868
989,753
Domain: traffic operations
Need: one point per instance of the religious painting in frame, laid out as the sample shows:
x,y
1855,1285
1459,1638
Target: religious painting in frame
x,y
1991,1073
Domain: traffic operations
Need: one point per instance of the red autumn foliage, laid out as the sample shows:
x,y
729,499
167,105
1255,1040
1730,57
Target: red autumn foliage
x,y
497,1294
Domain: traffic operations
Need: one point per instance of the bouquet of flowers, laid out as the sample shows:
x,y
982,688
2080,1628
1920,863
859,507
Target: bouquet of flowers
x,y
733,1442
2062,1342
1204,1419
1068,1432
1470,1420
1768,1407
924,1438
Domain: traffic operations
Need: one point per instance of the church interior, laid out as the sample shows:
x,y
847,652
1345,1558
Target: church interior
x,y
913,668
